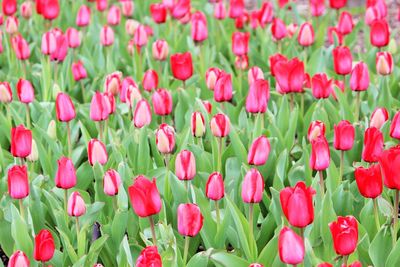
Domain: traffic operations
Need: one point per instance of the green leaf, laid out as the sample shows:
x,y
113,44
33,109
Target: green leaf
x,y
380,247
225,259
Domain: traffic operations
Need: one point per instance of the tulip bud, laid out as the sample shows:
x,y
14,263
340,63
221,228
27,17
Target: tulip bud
x,y
106,36
289,76
140,37
130,27
379,33
158,12
65,109
252,187
83,16
49,43
127,8
111,182
344,235
20,47
51,9
342,60
160,50
223,88
278,29
320,154
317,8
395,126
291,247
190,219
369,181
162,102
18,259
345,24
334,36
236,8
359,78
165,139
99,107
9,7
26,9
321,86
150,80
34,155
52,130
18,183
76,205
73,38
65,175
78,71
390,158
379,117
197,124
149,257
97,152
219,10
240,43
207,105
259,151
215,186
25,91
384,63
44,246
343,136
212,75
220,125
142,114
306,34
182,66
61,50
316,129
199,30
5,92
241,21
21,141
12,25
337,4
254,74
114,16
373,145
185,165
266,13
144,196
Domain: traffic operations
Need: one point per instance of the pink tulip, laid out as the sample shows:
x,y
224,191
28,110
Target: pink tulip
x,y
291,247
106,36
185,165
142,114
73,38
111,182
83,16
66,174
223,88
76,205
5,92
99,107
306,34
257,99
25,91
160,50
97,152
252,187
78,71
150,80
359,78
215,186
220,125
199,27
162,102
49,44
379,117
114,16
320,154
259,151
254,74
165,139
140,37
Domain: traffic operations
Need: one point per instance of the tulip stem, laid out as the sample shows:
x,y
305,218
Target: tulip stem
x,y
345,258
69,140
357,111
240,76
217,212
376,214
153,231
28,117
219,164
115,203
101,130
321,182
395,215
291,101
77,227
184,84
66,200
251,214
9,118
186,249
83,91
43,264
341,166
21,209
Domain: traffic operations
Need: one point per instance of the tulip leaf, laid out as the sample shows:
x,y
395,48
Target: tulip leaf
x,y
224,259
380,247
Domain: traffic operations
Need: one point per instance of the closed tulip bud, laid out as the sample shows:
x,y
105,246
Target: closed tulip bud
x,y
220,125
242,62
223,88
142,114
150,80
18,183
266,13
185,165
127,8
18,259
73,38
321,86
140,37
111,182
9,7
316,129
12,25
49,43
127,84
395,126
384,63
334,36
306,34
106,36
5,92
291,247
62,48
259,151
342,60
20,47
207,105
52,130
162,102
373,145
345,24
182,66
165,139
241,21
273,60
78,71
149,257
130,28
219,10
112,83
97,152
379,35
160,50
257,99
317,7
343,136
240,43
76,205
236,8
388,160
320,155
190,219
26,9
65,175
34,155
158,12
51,9
65,109
212,75
379,117
359,78
344,235
289,76
215,186
99,107
114,16
278,29
44,246
25,91
144,196
101,5
197,124
254,74
83,16
369,181
179,9
21,141
199,27
337,4
252,187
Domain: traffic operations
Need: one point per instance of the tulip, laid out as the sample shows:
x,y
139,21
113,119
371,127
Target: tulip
x,y
20,47
317,8
254,19
197,124
220,125
160,50
388,159
199,27
65,109
51,9
83,16
359,78
150,80
185,165
379,33
345,24
334,36
372,14
18,259
257,99
278,29
242,62
106,36
126,87
180,9
127,8
275,59
215,187
254,74
252,187
142,114
379,117
73,38
369,181
321,86
144,196
111,182
316,129
44,246
162,102
241,21
320,154
207,105
99,107
5,92
342,60
236,8
65,175
9,7
259,151
223,88
219,10
76,205
266,13
26,9
18,183
130,28
34,155
78,71
395,126
114,16
21,141
240,43
112,83
337,4
62,48
344,235
165,139
51,130
12,25
25,91
140,37
190,219
289,75
101,5
182,66
291,247
325,264
343,136
384,63
149,257
49,43
373,145
306,34
97,152
297,204
212,75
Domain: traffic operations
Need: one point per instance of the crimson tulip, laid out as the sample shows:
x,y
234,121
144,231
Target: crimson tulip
x,y
253,186
180,9
278,29
65,109
306,34
275,59
337,4
369,181
44,246
149,256
344,133
18,183
259,151
51,9
78,71
395,126
65,175
25,91
199,27
165,139
9,7
373,145
182,66
379,33
97,152
388,160
321,86
162,102
144,196
223,87
236,8
359,78
111,182
215,186
345,24
342,60
317,8
190,219
185,165
61,50
344,234
266,13
101,5
257,99
240,43
290,246
158,12
320,154
289,76
21,141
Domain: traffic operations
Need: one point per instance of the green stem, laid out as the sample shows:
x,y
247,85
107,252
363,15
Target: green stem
x,y
376,214
217,212
358,102
153,231
21,208
66,200
395,215
219,164
77,227
341,166
345,258
321,182
28,117
115,203
69,140
291,101
101,130
186,249
9,118
240,77
251,215
184,85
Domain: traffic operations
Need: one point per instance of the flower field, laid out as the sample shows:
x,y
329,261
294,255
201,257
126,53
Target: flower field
x,y
228,133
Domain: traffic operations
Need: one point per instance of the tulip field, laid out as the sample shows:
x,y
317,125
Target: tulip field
x,y
227,133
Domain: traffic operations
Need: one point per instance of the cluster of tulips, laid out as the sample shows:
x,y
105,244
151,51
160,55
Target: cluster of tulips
x,y
234,157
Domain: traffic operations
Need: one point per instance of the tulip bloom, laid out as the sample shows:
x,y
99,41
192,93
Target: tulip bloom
x,y
114,16
65,175
150,80
223,88
384,63
106,36
344,235
18,259
25,91
190,219
273,60
359,78
343,136
160,50
278,29
165,139
236,8
149,257
320,154
240,43
254,74
373,145
18,183
252,187
317,8
345,24
12,25
289,76
199,27
62,48
220,125
316,129
9,7
65,109
337,4
78,71
111,182
379,33
369,181
5,92
266,13
49,43
97,152
390,158
379,117
162,102
182,66
259,151
100,107
212,75
342,60
158,12
197,124
291,247
395,126
76,205
144,196
257,99
306,34
112,83
215,186
219,10
20,47
44,246
142,114
21,141
334,36
185,165
321,86
73,38
83,16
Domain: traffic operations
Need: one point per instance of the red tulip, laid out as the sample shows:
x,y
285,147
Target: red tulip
x,y
223,88
380,5
111,182
149,257
316,129
9,7
379,33
359,78
384,63
325,264
334,36
78,71
219,10
65,175
97,152
114,16
320,154
20,47
345,24
372,14
257,99
144,196
51,9
240,43
207,105
278,29
5,92
343,136
342,60
220,125
241,21
317,7
291,247
373,145
160,50
18,183
162,102
379,117
369,181
289,76
199,27
297,204
254,74
337,4
212,75
165,139
259,151
185,165
62,48
100,107
65,109
44,246
344,234
321,86
76,205
236,8
180,9
158,12
21,141
190,219
395,126
266,13
18,259
142,114
306,34
215,186
106,36
73,38
283,3
25,91
253,186
150,80
389,161
182,66
83,16
275,59
101,5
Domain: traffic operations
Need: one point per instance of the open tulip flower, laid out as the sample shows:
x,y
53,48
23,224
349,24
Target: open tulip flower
x,y
199,133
